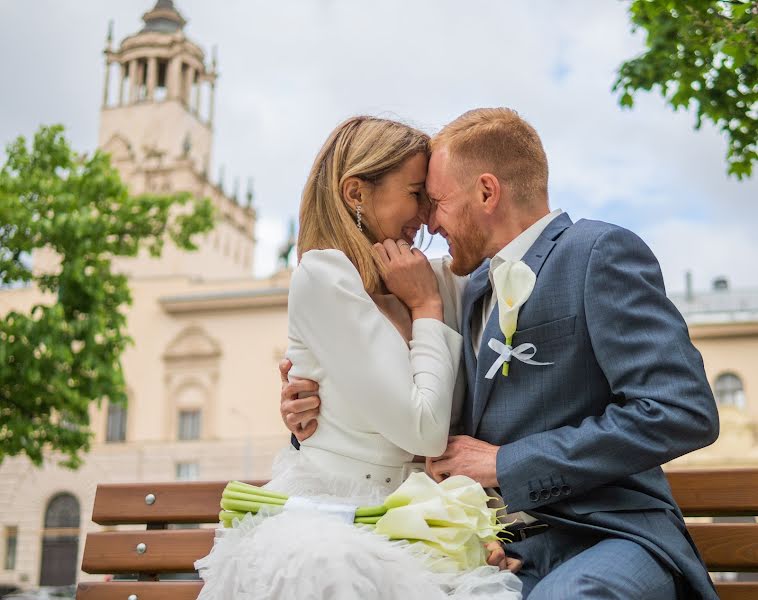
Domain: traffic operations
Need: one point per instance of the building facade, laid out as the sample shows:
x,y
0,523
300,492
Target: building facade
x,y
202,376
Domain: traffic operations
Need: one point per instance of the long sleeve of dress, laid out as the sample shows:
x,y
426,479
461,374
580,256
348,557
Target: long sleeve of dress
x,y
403,394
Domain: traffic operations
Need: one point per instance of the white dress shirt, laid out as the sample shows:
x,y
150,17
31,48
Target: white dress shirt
x,y
514,252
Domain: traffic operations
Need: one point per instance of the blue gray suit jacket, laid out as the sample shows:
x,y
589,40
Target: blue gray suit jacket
x,y
582,440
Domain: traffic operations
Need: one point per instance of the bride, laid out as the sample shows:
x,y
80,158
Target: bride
x,y
385,351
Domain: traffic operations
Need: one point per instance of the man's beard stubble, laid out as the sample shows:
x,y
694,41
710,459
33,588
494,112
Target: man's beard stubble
x,y
469,245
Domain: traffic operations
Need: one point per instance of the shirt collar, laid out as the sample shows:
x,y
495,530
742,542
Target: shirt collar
x,y
515,250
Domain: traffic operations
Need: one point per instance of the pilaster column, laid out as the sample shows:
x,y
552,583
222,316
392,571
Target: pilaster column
x,y
152,76
122,79
132,81
173,76
198,88
106,83
212,103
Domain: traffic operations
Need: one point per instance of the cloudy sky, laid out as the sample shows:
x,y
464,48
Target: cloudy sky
x,y
291,70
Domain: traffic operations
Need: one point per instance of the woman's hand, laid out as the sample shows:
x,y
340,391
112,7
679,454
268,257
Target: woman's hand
x,y
497,558
408,275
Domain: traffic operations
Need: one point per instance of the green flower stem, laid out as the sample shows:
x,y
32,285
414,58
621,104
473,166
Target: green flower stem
x,y
371,511
238,486
506,364
366,520
241,505
231,495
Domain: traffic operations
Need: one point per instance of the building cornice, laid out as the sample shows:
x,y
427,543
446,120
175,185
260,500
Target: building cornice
x,y
225,301
723,330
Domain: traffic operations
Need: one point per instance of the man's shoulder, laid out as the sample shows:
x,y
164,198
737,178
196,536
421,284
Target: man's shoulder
x,y
587,232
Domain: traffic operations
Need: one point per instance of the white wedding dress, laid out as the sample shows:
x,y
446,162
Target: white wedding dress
x,y
382,402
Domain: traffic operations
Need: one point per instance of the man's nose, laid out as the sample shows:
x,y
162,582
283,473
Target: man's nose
x,y
431,223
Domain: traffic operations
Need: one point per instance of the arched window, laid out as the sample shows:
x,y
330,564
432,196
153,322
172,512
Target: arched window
x,y
62,512
729,390
60,541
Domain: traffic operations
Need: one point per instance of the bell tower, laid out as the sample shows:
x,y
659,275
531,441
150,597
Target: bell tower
x,y
156,122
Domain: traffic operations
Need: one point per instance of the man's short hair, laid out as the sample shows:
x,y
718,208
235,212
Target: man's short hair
x,y
497,141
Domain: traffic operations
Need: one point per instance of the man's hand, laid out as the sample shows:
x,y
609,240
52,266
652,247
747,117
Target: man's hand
x,y
497,558
299,414
466,456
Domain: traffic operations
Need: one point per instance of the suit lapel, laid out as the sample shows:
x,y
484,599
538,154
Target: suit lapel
x,y
535,257
476,288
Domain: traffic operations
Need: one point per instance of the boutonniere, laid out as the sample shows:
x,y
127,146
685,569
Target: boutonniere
x,y
514,283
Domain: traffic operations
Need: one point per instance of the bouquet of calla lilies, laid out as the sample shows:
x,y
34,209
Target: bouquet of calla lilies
x,y
451,518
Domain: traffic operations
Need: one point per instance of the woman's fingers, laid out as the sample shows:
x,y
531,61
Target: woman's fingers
x,y
392,250
382,252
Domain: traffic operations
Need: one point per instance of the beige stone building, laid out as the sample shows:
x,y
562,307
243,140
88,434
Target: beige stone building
x,y
202,376
202,380
723,324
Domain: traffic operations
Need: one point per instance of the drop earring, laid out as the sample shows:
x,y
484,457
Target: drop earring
x,y
358,218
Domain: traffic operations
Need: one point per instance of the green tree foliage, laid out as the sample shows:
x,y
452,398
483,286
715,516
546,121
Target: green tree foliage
x,y
65,353
701,54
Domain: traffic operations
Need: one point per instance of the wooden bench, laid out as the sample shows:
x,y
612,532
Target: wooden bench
x,y
157,550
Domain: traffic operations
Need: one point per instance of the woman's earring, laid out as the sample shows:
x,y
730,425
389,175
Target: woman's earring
x,y
358,218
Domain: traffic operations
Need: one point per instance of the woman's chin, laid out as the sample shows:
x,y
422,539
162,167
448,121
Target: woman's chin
x,y
408,234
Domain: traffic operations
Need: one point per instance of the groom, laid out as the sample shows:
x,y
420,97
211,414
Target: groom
x,y
574,446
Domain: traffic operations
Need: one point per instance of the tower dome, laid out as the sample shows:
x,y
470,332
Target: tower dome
x,y
164,18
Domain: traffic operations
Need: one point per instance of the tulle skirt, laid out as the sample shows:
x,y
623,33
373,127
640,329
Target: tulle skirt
x,y
297,555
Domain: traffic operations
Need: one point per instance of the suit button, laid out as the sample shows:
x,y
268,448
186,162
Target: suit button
x,y
534,496
565,490
545,494
555,491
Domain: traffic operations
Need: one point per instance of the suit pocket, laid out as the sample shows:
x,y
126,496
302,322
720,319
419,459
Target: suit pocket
x,y
546,332
616,499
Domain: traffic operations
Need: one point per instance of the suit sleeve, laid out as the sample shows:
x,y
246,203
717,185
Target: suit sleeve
x,y
661,405
403,394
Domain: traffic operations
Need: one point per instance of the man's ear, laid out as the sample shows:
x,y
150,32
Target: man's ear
x,y
490,192
352,191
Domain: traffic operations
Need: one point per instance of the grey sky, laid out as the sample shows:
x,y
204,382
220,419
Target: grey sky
x,y
291,70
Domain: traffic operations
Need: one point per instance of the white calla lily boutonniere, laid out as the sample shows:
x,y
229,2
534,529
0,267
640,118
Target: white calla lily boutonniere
x,y
514,283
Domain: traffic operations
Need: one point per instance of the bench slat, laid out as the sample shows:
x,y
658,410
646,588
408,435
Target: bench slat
x,y
736,590
187,502
727,546
711,492
120,590
189,590
172,551
728,492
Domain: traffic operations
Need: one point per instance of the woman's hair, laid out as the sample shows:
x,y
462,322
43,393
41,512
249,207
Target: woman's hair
x,y
363,147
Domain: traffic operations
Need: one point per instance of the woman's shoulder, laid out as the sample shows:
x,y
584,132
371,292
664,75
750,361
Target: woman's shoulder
x,y
325,269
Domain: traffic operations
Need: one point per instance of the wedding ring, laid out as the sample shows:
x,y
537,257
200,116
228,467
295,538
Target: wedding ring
x,y
403,243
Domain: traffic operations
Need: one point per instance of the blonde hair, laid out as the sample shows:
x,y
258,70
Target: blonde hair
x,y
363,147
497,141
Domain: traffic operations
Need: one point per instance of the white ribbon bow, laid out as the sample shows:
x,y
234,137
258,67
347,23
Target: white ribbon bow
x,y
522,352
344,512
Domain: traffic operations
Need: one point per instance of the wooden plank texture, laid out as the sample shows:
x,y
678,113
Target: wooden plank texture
x,y
172,551
186,502
716,492
727,546
737,591
121,590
